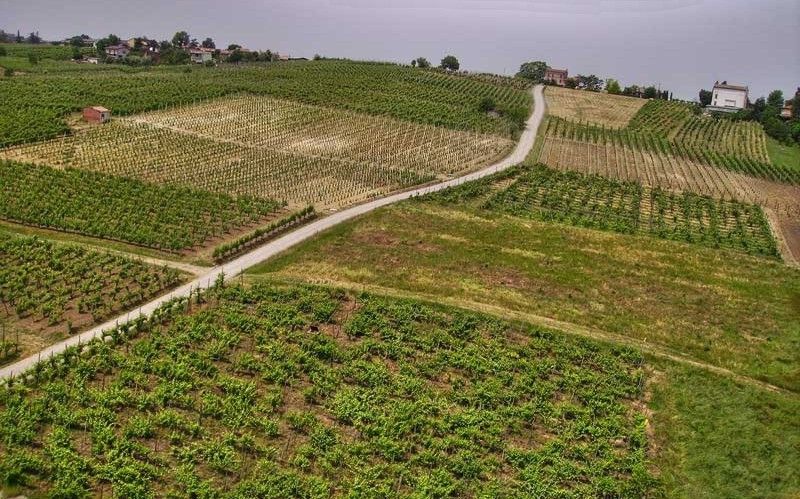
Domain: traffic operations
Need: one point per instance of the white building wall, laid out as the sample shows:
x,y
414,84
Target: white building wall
x,y
724,97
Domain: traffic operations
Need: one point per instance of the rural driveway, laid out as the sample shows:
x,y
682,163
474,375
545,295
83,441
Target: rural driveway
x,y
276,246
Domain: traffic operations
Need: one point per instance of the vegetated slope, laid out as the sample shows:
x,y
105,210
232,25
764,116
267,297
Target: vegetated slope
x,y
654,162
602,109
669,127
271,148
48,290
308,392
596,202
36,104
736,146
682,297
720,438
158,216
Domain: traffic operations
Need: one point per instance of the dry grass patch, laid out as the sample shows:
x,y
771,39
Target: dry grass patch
x,y
613,111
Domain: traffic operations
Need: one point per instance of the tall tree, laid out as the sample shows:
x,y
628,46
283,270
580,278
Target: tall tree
x,y
450,63
796,106
102,43
589,82
180,39
650,92
34,38
208,43
632,91
705,97
775,99
533,71
612,86
423,63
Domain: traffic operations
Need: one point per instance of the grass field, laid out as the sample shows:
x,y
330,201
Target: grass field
x,y
49,290
782,155
37,104
719,438
635,287
614,111
308,392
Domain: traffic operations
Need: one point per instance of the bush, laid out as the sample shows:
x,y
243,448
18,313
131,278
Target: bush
x,y
487,104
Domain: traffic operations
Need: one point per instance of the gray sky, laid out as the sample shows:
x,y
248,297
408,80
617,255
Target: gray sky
x,y
682,44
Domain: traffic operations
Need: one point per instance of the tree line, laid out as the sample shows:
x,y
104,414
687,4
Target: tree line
x,y
536,71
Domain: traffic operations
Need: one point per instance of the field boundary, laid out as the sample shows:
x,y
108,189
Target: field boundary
x,y
288,240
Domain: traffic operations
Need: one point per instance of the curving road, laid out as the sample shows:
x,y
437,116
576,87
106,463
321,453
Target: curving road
x,y
276,246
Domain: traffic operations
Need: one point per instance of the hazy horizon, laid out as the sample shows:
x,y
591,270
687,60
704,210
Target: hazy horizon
x,y
681,45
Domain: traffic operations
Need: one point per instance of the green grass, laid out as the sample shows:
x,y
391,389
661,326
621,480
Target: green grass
x,y
313,392
721,439
782,155
718,306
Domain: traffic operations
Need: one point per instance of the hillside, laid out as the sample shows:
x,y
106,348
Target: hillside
x,y
38,103
667,129
394,305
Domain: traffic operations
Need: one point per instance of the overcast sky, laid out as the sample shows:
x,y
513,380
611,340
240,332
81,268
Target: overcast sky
x,y
682,45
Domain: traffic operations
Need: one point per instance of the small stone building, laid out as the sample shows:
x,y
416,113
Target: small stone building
x,y
557,76
96,114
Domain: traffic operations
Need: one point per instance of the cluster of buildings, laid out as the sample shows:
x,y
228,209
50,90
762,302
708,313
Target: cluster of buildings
x,y
151,49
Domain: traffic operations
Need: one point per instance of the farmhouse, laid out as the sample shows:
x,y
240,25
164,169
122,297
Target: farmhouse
x,y
96,114
557,76
200,56
728,98
117,51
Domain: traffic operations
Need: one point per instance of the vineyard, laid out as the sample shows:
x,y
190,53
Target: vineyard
x,y
95,204
42,51
741,147
662,118
597,202
640,158
613,111
270,148
49,289
306,392
36,104
730,140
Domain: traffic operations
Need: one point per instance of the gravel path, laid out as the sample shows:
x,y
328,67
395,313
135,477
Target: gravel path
x,y
281,244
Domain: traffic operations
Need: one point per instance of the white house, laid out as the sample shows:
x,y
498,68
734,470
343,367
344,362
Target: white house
x,y
727,97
